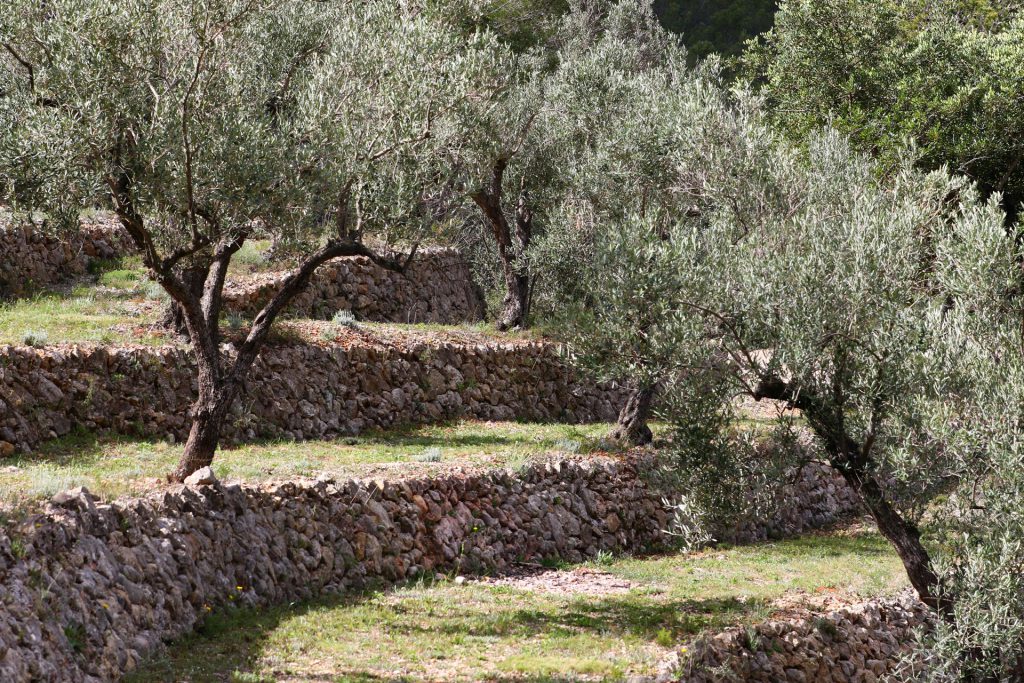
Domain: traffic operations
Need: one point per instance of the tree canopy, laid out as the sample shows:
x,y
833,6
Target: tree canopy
x,y
944,77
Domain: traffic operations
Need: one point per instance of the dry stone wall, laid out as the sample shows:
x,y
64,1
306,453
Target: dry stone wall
x,y
297,391
30,260
88,588
437,288
858,644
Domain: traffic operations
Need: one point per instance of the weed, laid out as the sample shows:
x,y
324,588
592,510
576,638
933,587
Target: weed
x,y
35,338
429,455
75,633
345,318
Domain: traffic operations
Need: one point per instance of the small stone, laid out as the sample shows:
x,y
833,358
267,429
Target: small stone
x,y
204,476
6,449
459,580
78,494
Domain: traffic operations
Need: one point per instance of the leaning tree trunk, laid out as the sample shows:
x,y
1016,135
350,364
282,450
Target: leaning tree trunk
x,y
631,428
854,462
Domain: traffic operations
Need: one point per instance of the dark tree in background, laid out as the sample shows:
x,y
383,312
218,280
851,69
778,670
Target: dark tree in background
x,y
720,26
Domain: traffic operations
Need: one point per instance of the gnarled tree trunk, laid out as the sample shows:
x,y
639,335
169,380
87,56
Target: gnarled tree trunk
x,y
515,306
631,429
854,461
173,318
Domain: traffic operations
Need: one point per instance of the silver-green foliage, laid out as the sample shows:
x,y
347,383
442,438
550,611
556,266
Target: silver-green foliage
x,y
888,312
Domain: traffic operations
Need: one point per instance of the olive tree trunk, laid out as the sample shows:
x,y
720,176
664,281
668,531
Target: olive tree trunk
x,y
631,429
220,378
855,463
512,241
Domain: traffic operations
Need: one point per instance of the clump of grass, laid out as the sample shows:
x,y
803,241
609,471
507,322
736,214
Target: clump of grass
x,y
152,290
251,257
428,455
44,483
568,446
345,318
35,338
235,321
120,279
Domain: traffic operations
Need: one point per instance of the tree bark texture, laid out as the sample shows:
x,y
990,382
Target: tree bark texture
x,y
631,429
854,463
512,241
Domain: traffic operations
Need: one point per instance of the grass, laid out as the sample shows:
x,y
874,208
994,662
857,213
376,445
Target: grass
x,y
444,631
114,466
82,315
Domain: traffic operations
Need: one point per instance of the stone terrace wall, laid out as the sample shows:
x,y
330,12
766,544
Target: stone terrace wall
x,y
87,589
437,288
30,261
858,644
297,391
815,498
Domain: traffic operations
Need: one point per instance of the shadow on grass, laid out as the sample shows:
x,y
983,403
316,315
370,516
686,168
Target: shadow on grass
x,y
228,646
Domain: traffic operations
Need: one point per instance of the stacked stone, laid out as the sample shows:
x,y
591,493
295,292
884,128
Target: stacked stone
x,y
823,497
858,644
436,288
297,391
30,260
87,589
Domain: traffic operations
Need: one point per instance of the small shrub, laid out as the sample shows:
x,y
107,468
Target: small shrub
x,y
152,290
328,334
664,637
568,446
689,524
235,321
345,319
429,455
34,338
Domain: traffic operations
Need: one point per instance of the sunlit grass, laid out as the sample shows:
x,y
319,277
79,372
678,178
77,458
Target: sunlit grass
x,y
114,466
444,631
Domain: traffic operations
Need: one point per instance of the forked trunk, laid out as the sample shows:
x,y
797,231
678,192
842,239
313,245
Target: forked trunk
x,y
511,246
173,318
631,428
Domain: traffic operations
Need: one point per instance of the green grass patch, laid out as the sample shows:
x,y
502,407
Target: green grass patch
x,y
80,316
113,466
443,631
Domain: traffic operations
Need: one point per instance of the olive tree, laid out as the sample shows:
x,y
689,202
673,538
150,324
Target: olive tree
x,y
525,159
203,124
887,315
625,162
